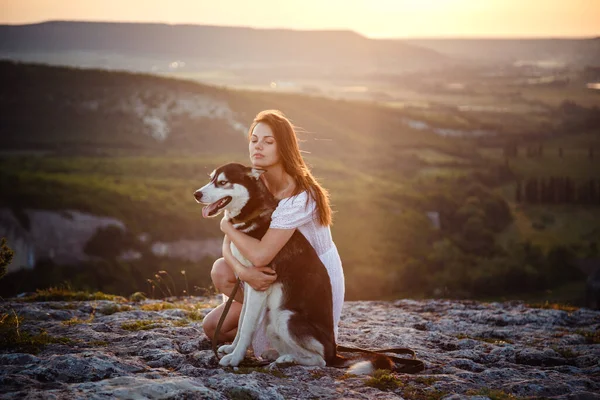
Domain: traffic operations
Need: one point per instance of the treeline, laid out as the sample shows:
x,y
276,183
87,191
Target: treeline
x,y
558,190
462,259
531,151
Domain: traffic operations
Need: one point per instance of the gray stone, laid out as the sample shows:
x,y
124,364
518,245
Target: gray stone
x,y
467,346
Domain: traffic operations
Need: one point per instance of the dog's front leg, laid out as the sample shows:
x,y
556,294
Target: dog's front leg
x,y
228,348
255,302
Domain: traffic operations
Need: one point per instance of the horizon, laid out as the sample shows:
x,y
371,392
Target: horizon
x,y
375,19
596,36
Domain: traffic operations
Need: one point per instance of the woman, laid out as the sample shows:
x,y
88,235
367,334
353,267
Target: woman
x,y
303,205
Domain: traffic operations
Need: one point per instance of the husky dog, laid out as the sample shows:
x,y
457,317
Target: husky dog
x,y
299,317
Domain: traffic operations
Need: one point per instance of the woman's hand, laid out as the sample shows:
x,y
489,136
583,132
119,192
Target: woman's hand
x,y
260,278
226,225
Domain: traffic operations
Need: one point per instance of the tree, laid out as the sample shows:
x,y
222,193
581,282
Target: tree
x,y
6,256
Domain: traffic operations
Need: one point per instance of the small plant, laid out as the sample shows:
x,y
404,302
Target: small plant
x,y
66,294
417,393
77,321
137,297
565,352
6,256
195,315
110,309
12,338
553,306
316,374
384,380
492,394
165,273
425,380
240,393
157,306
186,292
162,285
140,325
180,322
590,337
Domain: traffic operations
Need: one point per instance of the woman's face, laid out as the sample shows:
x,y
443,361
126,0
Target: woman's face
x,y
263,147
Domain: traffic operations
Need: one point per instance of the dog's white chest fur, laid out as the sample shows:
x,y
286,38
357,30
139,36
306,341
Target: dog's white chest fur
x,y
236,253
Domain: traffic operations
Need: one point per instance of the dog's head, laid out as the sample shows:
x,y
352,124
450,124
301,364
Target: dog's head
x,y
231,188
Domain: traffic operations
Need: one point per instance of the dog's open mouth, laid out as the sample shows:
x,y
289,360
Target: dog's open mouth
x,y
214,208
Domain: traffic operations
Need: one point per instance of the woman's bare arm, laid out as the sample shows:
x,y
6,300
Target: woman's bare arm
x,y
259,277
258,252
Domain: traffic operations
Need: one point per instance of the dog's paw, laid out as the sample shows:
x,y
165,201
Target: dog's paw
x,y
231,360
226,349
270,355
285,359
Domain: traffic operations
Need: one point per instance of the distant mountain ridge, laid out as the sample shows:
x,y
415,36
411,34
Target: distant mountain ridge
x,y
224,46
552,51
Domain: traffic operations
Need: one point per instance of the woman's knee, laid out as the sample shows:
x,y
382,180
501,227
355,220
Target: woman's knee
x,y
209,324
221,272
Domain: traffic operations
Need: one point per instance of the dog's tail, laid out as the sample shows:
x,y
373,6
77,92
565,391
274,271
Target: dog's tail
x,y
368,361
365,364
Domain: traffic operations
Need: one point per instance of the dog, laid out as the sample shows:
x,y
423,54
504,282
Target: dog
x,y
299,317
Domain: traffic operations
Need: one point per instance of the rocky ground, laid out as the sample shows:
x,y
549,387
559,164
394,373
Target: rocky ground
x,y
157,350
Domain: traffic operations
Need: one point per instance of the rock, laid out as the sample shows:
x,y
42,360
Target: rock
x,y
468,347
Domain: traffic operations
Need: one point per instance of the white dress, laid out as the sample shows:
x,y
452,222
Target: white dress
x,y
294,213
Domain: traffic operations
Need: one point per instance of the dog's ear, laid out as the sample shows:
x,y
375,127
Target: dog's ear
x,y
256,173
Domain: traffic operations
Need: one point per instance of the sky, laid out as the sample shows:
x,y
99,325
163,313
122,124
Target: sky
x,y
372,18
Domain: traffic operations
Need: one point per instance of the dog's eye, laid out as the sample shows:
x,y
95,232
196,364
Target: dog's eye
x,y
222,183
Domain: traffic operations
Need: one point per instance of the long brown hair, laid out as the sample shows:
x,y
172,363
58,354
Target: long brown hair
x,y
293,163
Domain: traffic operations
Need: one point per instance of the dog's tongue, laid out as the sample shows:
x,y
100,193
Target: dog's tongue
x,y
206,211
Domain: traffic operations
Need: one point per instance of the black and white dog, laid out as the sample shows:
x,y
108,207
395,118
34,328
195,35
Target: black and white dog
x,y
299,318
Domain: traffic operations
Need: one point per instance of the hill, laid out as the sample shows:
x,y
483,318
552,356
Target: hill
x,y
288,52
421,195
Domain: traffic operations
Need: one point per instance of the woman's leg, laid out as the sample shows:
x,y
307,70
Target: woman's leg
x,y
224,279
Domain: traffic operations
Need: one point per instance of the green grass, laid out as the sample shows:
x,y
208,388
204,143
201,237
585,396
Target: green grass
x,y
384,380
141,325
78,321
61,294
553,306
565,352
14,338
574,164
591,337
157,306
418,388
493,394
551,225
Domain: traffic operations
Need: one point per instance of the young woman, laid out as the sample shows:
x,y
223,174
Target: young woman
x,y
303,205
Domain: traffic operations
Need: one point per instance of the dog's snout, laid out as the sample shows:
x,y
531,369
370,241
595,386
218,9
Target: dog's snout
x,y
198,195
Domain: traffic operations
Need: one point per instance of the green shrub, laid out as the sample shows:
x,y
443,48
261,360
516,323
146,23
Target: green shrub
x,y
6,256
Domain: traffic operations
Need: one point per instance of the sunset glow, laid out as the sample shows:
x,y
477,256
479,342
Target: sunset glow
x,y
373,18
